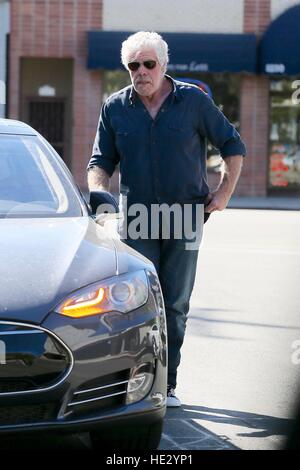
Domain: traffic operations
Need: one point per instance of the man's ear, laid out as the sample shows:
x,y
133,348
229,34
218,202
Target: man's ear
x,y
165,67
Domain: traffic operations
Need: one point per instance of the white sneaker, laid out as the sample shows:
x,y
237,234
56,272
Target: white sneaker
x,y
172,400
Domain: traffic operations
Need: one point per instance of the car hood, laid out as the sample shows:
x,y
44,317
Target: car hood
x,y
43,260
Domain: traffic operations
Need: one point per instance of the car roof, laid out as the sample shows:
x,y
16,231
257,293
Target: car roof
x,y
10,126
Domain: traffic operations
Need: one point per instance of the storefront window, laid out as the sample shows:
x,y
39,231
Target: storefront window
x,y
225,89
114,81
284,168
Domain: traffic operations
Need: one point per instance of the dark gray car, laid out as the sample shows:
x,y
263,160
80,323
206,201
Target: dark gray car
x,y
82,320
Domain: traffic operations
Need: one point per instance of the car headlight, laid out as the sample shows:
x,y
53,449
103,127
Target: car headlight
x,y
120,293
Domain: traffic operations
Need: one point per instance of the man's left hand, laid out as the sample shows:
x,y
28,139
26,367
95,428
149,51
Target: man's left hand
x,y
217,201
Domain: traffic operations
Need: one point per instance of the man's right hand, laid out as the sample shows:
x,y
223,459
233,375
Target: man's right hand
x,y
217,201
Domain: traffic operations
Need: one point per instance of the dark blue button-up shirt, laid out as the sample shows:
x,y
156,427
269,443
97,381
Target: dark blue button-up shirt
x,y
162,160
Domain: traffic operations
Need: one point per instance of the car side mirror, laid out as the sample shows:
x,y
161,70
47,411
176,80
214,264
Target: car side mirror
x,y
103,202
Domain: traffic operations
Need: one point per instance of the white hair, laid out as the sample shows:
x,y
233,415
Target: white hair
x,y
145,40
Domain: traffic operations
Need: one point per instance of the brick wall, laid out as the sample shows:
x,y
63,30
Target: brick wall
x,y
257,15
254,110
255,132
58,28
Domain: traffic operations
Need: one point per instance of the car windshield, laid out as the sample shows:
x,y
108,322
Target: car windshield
x,y
32,181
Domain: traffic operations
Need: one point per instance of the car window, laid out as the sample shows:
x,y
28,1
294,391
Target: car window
x,y
32,182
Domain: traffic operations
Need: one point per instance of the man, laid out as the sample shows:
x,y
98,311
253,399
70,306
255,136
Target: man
x,y
157,130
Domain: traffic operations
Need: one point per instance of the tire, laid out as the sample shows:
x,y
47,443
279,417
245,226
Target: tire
x,y
139,437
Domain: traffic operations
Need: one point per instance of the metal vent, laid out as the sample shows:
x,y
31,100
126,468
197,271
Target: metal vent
x,y
103,393
33,359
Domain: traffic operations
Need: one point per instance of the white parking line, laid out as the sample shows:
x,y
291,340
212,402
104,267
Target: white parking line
x,y
250,250
168,438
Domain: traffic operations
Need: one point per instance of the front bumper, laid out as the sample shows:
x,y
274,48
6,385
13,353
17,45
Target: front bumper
x,y
103,351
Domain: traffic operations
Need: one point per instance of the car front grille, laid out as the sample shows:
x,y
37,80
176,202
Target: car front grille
x,y
10,386
104,393
32,359
27,414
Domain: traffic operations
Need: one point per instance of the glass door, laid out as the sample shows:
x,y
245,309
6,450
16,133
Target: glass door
x,y
284,167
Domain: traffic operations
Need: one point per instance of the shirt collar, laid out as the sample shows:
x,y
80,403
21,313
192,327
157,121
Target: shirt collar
x,y
176,91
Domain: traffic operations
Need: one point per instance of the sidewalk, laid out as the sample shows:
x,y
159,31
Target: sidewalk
x,y
271,202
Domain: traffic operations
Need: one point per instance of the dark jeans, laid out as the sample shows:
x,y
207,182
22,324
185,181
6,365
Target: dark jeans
x,y
176,267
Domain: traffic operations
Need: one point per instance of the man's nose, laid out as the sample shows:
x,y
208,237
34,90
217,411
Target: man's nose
x,y
143,69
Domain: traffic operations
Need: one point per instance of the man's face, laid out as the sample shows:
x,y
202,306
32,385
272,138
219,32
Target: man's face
x,y
146,81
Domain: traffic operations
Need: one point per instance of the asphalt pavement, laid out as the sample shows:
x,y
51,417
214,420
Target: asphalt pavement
x,y
239,376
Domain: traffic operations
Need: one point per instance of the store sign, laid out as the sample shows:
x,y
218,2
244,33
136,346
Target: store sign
x,y
191,67
275,68
47,91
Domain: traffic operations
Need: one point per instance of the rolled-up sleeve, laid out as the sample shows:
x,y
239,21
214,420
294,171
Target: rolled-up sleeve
x,y
105,154
218,130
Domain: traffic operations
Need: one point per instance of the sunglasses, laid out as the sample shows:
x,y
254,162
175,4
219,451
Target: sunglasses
x,y
149,64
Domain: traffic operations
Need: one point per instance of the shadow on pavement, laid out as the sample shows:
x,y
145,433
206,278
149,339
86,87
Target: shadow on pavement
x,y
260,425
182,432
195,314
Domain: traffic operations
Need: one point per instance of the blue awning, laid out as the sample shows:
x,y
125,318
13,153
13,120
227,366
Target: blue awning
x,y
189,52
279,46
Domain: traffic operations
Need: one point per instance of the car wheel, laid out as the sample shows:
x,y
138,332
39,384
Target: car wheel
x,y
138,437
